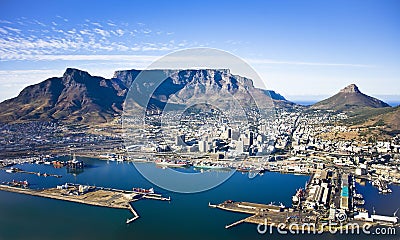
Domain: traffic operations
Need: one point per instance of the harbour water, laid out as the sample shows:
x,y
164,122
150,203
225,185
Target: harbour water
x,y
187,216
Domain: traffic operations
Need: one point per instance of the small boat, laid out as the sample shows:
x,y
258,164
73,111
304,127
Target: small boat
x,y
11,170
385,190
358,196
359,202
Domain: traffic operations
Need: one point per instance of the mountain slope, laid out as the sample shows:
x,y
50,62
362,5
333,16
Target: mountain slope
x,y
349,98
388,121
77,96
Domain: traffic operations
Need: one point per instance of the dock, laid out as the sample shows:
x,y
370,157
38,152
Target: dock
x,y
156,197
17,170
237,222
135,215
89,195
259,212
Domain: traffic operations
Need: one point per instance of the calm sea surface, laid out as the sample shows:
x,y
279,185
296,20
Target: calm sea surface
x,y
187,216
311,102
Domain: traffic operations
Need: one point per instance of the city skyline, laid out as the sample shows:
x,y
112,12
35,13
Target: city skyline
x,y
298,49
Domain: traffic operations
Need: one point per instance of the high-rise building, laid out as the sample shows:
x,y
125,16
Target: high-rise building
x,y
180,140
239,145
203,146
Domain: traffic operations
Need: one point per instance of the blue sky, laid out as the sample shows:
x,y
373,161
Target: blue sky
x,y
299,48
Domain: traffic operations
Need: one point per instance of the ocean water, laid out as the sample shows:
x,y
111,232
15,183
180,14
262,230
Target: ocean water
x,y
311,102
187,216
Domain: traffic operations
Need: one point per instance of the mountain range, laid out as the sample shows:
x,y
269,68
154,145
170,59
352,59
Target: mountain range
x,y
79,97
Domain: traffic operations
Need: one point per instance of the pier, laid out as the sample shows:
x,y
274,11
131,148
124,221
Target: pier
x,y
259,212
17,170
89,195
237,222
135,215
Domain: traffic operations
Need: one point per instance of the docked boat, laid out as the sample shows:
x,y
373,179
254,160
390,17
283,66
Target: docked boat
x,y
382,186
172,163
11,170
243,169
208,165
385,190
358,202
358,196
143,191
298,196
23,184
58,164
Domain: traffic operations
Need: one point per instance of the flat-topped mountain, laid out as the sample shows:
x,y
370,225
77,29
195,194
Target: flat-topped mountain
x,y
349,98
191,85
78,96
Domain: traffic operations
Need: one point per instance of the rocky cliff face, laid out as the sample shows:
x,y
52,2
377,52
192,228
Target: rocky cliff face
x,y
352,88
349,98
181,86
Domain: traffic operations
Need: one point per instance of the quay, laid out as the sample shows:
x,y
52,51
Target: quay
x,y
89,195
329,196
258,212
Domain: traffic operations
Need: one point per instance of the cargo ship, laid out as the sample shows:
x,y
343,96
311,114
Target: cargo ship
x,y
143,191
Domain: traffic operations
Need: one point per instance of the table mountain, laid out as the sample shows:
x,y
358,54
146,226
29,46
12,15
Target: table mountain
x,y
79,97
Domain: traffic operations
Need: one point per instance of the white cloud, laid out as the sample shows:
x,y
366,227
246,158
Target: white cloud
x,y
39,23
13,81
3,31
53,39
96,24
89,57
102,32
5,21
27,71
13,29
85,32
120,32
